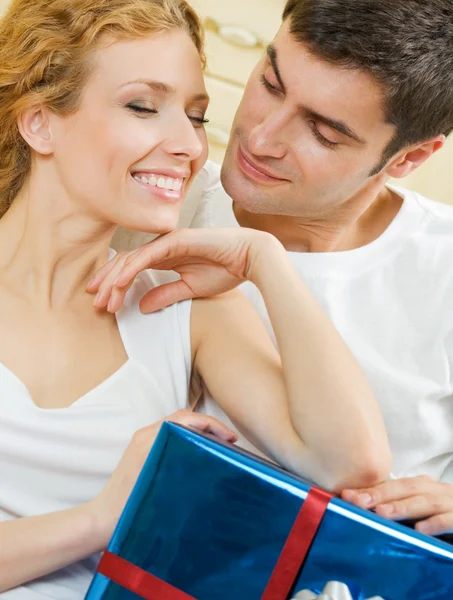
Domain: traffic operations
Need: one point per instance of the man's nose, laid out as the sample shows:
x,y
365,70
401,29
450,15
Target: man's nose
x,y
267,138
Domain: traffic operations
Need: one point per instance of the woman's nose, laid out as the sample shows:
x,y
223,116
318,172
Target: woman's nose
x,y
185,140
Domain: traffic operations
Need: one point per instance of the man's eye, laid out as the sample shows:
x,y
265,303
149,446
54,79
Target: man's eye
x,y
268,85
323,140
137,108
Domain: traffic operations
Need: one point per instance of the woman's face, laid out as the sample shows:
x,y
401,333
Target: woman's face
x,y
130,152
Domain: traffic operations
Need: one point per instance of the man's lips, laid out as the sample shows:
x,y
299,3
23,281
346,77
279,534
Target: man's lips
x,y
253,170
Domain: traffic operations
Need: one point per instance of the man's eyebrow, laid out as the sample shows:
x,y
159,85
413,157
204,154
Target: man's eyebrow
x,y
272,55
164,88
339,126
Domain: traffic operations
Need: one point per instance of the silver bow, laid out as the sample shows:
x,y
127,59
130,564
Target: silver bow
x,y
334,590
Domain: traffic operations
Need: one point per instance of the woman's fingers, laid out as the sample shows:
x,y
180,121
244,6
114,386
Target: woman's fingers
x,y
165,295
180,247
148,256
209,262
94,283
105,287
205,424
117,296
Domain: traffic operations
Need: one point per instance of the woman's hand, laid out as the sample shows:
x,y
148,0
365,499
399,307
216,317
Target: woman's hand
x,y
209,261
112,500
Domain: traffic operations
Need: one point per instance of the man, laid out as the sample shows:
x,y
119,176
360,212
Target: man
x,y
348,95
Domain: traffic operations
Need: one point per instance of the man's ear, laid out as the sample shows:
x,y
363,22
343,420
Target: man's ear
x,y
34,127
411,158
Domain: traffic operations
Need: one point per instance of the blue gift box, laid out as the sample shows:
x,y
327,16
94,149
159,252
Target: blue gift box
x,y
211,521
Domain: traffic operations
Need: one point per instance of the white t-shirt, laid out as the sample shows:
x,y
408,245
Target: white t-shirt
x,y
392,301
51,460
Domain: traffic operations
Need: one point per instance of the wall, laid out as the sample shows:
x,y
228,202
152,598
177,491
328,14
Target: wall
x,y
237,31
229,63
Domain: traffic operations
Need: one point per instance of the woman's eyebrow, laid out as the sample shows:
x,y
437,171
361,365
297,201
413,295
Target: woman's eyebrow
x,y
164,88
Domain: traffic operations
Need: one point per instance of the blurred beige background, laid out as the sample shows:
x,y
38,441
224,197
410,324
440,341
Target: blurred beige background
x,y
236,34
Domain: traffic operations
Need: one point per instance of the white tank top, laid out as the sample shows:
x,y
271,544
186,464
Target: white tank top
x,y
51,460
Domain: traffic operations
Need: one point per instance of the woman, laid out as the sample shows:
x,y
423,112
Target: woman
x,y
102,105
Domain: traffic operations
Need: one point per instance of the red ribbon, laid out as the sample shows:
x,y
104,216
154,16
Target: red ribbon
x,y
137,580
297,545
283,577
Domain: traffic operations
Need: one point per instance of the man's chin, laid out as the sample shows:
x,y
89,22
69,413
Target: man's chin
x,y
245,214
237,186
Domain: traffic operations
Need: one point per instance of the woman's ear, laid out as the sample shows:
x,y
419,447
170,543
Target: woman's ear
x,y
34,127
411,158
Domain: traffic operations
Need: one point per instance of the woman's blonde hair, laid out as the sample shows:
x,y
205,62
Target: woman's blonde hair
x,y
45,47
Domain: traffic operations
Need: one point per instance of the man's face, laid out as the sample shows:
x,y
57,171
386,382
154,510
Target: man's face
x,y
306,136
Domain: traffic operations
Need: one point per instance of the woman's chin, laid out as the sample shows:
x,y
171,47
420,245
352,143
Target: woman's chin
x,y
152,226
151,220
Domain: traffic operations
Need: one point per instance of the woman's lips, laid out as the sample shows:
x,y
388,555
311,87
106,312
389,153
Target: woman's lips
x,y
160,188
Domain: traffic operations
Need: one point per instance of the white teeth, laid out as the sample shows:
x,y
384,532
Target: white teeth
x,y
161,182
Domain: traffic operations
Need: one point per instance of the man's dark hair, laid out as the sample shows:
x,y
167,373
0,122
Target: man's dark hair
x,y
406,45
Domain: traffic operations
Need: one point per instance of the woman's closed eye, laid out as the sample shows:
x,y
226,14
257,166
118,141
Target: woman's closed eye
x,y
141,109
197,120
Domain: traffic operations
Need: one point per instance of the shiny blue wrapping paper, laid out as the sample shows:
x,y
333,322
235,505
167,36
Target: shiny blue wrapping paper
x,y
211,520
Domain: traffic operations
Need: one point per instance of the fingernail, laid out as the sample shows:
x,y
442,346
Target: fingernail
x,y
110,305
423,527
98,298
386,510
365,499
348,494
119,281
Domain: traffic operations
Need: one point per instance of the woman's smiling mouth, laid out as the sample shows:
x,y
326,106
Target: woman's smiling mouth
x,y
161,184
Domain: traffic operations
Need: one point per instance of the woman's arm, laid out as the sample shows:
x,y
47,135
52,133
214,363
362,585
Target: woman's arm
x,y
310,408
32,547
35,546
315,413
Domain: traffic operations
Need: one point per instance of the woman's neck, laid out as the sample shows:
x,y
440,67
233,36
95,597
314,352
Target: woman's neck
x,y
50,247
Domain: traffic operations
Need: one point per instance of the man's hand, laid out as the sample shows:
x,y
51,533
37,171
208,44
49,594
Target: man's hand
x,y
422,499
